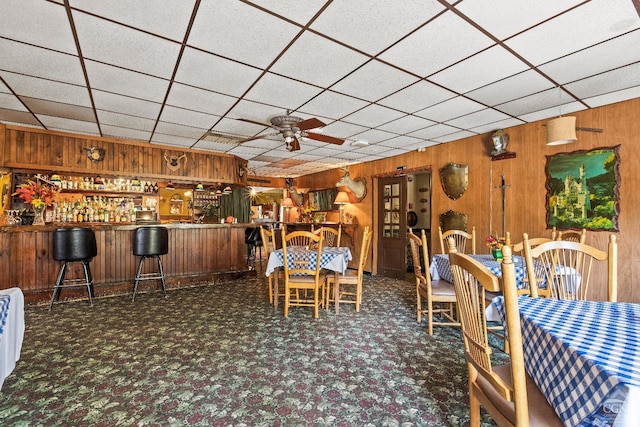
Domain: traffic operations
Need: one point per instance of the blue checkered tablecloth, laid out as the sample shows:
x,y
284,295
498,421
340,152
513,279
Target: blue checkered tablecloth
x,y
440,269
331,258
585,358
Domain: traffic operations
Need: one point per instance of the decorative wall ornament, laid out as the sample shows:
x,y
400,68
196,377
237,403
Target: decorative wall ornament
x,y
357,186
173,161
500,140
583,189
298,198
95,154
452,220
454,179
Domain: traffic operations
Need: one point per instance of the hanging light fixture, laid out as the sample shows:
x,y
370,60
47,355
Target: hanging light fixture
x,y
561,130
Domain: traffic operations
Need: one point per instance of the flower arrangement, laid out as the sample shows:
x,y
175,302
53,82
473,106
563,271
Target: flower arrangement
x,y
38,195
349,217
494,243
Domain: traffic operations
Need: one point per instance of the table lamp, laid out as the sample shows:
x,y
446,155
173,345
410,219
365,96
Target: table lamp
x,y
287,204
341,199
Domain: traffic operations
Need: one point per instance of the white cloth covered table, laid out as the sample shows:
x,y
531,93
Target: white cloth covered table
x,y
11,330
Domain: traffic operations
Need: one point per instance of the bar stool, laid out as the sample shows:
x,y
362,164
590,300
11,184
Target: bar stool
x,y
150,242
73,245
253,240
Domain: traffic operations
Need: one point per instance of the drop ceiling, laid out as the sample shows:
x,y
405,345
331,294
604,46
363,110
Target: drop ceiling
x,y
398,75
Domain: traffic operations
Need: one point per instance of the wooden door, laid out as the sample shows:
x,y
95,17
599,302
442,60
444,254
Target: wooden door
x,y
392,227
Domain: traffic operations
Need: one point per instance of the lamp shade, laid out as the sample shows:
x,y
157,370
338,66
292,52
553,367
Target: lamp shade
x,y
287,202
342,198
561,130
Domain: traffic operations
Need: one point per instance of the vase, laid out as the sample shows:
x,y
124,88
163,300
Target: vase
x,y
38,219
497,254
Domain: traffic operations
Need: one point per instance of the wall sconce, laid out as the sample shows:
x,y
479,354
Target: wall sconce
x,y
342,198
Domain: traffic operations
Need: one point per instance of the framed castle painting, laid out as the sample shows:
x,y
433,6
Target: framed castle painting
x,y
583,189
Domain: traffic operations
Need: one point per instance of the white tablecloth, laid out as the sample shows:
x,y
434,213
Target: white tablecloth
x,y
12,331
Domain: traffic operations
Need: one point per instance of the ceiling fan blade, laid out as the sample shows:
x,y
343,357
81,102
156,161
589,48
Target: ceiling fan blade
x,y
259,123
310,124
324,138
294,145
259,137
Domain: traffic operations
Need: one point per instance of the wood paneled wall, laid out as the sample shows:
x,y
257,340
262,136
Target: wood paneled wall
x,y
525,175
26,148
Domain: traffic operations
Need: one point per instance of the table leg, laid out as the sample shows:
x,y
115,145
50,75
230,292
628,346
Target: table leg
x,y
336,289
275,288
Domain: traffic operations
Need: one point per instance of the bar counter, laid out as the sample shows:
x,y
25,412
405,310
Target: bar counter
x,y
197,253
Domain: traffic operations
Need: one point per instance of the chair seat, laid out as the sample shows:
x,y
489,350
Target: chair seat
x,y
540,412
439,289
307,279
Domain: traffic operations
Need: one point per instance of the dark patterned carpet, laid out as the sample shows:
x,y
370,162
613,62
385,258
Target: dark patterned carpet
x,y
220,355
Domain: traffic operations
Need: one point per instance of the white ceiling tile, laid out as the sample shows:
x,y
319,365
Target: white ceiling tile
x,y
317,60
254,111
478,118
39,62
454,136
59,109
343,129
535,115
180,130
114,44
416,97
125,133
501,124
613,97
10,102
287,93
434,131
450,109
374,81
612,81
168,18
37,22
34,87
371,31
255,38
401,142
201,100
68,125
119,81
125,105
504,19
374,136
125,121
186,117
373,115
552,98
612,54
20,118
591,23
333,105
522,84
300,12
486,67
406,124
164,139
214,73
445,40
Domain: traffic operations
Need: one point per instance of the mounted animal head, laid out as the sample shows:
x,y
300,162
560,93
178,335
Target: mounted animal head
x,y
173,162
357,186
297,198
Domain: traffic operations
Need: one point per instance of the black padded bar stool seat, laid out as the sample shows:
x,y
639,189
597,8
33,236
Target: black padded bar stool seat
x,y
73,245
253,240
150,242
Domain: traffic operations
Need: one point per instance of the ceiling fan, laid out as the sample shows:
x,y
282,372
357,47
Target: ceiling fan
x,y
292,128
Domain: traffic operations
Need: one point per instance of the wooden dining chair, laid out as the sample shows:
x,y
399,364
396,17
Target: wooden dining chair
x,y
568,268
518,249
269,245
351,278
506,391
569,235
301,275
331,236
439,295
462,238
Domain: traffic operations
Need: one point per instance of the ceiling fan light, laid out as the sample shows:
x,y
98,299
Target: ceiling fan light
x,y
561,130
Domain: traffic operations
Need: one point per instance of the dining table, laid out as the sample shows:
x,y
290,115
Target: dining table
x,y
440,268
584,356
332,258
11,330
